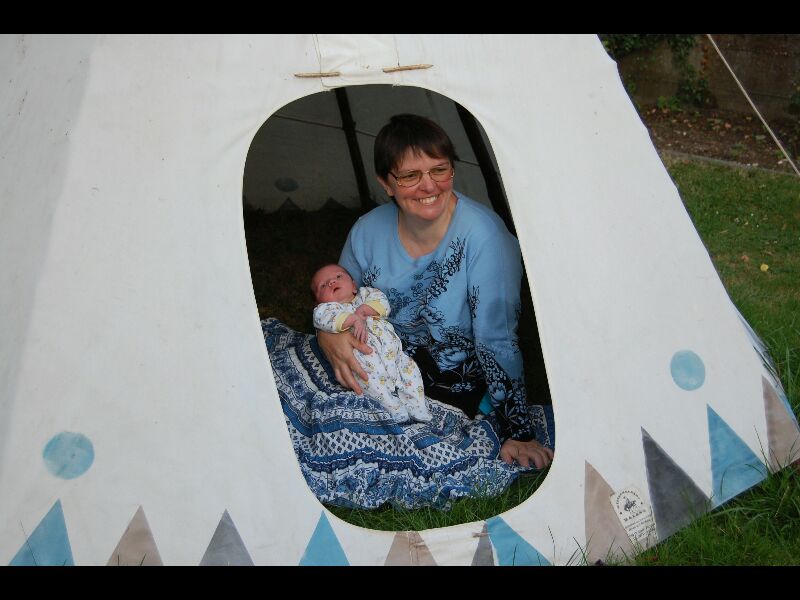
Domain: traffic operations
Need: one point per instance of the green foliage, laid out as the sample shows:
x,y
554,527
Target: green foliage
x,y
672,103
621,44
692,89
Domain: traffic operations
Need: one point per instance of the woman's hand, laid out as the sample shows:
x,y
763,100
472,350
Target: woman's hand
x,y
526,453
338,349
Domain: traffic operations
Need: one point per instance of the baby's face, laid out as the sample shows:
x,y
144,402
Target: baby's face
x,y
333,284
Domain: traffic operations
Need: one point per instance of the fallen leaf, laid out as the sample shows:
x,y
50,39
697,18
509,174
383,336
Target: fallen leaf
x,y
745,258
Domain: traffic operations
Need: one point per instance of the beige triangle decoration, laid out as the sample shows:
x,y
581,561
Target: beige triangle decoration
x,y
136,547
605,535
783,436
408,548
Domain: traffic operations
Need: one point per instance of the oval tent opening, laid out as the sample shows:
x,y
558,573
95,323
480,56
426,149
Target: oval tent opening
x,y
309,176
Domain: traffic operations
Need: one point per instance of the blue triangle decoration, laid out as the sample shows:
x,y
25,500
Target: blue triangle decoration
x,y
511,549
324,548
48,545
734,467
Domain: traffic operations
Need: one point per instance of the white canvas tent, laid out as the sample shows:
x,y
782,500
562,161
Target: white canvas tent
x,y
139,418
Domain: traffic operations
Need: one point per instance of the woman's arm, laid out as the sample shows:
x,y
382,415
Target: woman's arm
x,y
494,274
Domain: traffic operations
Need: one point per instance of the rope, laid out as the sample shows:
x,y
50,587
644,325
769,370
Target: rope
x,y
736,79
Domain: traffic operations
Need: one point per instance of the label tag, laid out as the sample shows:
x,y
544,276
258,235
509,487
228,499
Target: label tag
x,y
636,516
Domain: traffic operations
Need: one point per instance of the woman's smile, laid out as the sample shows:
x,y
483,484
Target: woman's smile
x,y
427,200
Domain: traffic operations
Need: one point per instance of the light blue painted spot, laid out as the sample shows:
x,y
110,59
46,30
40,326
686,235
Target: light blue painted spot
x,y
48,545
688,370
734,467
511,549
324,548
286,184
68,455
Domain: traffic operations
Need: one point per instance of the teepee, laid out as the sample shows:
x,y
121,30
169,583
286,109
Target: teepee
x,y
140,420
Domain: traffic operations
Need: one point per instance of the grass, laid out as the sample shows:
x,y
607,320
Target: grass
x,y
761,527
750,222
462,511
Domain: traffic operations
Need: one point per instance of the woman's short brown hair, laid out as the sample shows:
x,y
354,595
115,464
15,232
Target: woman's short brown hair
x,y
410,132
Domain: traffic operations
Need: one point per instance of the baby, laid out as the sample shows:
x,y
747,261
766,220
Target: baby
x,y
394,379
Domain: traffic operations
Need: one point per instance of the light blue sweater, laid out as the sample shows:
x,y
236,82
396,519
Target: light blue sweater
x,y
456,310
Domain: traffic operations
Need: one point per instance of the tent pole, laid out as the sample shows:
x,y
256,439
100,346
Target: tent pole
x,y
349,127
490,176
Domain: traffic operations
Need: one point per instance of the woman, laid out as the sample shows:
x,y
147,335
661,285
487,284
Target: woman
x,y
452,274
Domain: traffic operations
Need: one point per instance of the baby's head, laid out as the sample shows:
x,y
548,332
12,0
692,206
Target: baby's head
x,y
333,283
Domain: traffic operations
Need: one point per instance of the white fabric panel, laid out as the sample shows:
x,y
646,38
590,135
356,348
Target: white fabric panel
x,y
143,332
360,58
619,276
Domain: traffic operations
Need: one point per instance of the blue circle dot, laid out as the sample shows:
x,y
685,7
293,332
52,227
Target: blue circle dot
x,y
68,455
286,184
688,370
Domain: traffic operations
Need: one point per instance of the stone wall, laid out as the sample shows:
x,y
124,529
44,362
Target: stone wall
x,y
767,65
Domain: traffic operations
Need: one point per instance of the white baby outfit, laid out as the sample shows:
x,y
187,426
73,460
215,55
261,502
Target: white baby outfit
x,y
394,378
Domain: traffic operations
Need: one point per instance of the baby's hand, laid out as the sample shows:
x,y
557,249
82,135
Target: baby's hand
x,y
365,310
359,329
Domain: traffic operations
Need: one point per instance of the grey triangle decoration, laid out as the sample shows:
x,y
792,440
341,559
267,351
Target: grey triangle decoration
x,y
331,204
226,547
289,206
675,497
136,547
484,557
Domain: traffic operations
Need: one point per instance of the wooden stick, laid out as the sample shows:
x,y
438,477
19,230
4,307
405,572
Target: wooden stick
x,y
322,74
405,68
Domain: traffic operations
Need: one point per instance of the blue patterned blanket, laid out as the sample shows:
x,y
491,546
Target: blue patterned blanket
x,y
352,454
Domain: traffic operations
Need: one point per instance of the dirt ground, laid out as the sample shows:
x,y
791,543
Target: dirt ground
x,y
722,135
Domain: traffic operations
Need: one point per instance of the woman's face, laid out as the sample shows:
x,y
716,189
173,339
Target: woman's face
x,y
428,200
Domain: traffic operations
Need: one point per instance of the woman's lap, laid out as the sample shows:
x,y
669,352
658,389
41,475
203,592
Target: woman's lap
x,y
352,454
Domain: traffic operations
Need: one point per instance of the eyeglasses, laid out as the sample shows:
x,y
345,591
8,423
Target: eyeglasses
x,y
412,178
